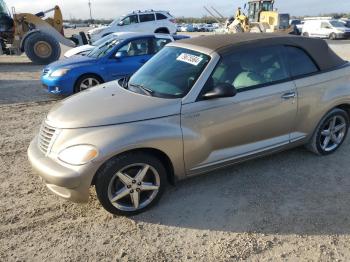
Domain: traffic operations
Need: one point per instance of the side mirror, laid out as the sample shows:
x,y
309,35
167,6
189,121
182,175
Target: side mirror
x,y
121,54
121,23
220,91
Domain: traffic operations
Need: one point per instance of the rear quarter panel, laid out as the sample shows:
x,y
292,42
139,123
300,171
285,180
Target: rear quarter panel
x,y
319,94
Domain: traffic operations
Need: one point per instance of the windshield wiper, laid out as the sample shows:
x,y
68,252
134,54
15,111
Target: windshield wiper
x,y
147,91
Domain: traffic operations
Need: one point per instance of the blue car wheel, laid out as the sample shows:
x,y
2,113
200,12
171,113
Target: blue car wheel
x,y
87,81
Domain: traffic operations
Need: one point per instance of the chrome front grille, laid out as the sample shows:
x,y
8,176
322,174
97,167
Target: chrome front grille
x,y
46,137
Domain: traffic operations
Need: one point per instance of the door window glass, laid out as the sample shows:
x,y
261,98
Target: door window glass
x,y
300,62
135,48
132,19
325,25
160,16
147,18
250,68
159,43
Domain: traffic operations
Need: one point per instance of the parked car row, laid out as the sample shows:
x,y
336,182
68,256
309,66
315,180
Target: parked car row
x,y
197,27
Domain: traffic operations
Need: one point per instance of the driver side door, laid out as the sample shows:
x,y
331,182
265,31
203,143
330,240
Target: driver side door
x,y
128,58
259,118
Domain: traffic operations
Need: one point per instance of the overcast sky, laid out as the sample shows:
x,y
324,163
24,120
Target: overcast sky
x,y
114,8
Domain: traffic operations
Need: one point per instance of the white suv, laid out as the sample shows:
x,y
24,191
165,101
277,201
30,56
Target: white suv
x,y
149,21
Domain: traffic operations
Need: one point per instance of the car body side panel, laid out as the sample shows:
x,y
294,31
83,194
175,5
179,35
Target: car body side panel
x,y
219,130
318,94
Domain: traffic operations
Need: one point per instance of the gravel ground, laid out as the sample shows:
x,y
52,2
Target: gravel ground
x,y
290,206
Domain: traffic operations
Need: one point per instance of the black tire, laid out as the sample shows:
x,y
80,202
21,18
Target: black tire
x,y
50,48
162,31
106,177
332,36
78,83
315,144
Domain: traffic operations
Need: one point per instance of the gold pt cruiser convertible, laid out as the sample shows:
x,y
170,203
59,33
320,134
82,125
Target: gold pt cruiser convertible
x,y
198,105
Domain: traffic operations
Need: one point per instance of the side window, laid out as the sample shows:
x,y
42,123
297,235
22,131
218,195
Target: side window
x,y
325,25
300,63
160,16
250,68
135,48
132,19
146,18
159,43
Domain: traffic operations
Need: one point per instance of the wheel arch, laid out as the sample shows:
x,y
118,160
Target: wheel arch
x,y
345,107
162,30
86,74
163,157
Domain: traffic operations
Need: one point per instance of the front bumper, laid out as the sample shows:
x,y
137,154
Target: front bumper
x,y
344,35
68,183
58,86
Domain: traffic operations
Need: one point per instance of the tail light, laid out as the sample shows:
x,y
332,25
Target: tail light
x,y
173,20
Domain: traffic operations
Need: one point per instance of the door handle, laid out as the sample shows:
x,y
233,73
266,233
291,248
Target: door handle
x,y
289,95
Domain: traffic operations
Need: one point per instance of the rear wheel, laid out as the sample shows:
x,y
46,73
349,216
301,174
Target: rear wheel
x,y
86,82
42,49
330,133
131,183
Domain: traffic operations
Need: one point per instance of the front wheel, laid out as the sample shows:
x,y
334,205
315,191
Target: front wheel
x,y
332,36
330,133
86,82
130,184
42,48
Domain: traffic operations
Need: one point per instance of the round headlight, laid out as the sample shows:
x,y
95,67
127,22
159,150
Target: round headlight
x,y
78,155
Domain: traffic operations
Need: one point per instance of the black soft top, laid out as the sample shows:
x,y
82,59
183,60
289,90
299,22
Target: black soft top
x,y
223,44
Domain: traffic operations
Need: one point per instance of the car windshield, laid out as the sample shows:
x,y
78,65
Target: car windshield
x,y
103,49
104,39
116,21
171,73
336,24
3,8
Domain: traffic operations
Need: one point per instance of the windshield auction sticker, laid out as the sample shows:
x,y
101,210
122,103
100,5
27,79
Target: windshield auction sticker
x,y
190,59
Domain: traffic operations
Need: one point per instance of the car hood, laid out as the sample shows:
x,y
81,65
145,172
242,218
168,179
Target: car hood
x,y
78,50
71,62
109,104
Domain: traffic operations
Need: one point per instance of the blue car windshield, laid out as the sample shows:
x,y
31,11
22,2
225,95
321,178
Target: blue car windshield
x,y
171,73
105,48
104,39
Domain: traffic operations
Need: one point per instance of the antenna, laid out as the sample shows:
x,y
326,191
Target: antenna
x,y
90,12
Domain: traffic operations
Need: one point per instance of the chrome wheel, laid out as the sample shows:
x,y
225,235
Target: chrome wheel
x,y
333,133
88,82
134,187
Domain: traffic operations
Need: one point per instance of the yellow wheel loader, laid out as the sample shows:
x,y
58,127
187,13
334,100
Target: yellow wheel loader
x,y
262,17
37,37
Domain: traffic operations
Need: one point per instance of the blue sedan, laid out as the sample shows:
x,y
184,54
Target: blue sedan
x,y
114,59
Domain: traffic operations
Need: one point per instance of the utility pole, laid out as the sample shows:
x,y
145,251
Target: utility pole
x,y
90,12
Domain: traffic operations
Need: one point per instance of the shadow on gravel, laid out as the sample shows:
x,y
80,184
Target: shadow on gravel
x,y
293,192
22,91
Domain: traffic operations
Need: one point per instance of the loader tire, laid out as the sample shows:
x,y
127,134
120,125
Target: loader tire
x,y
42,49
